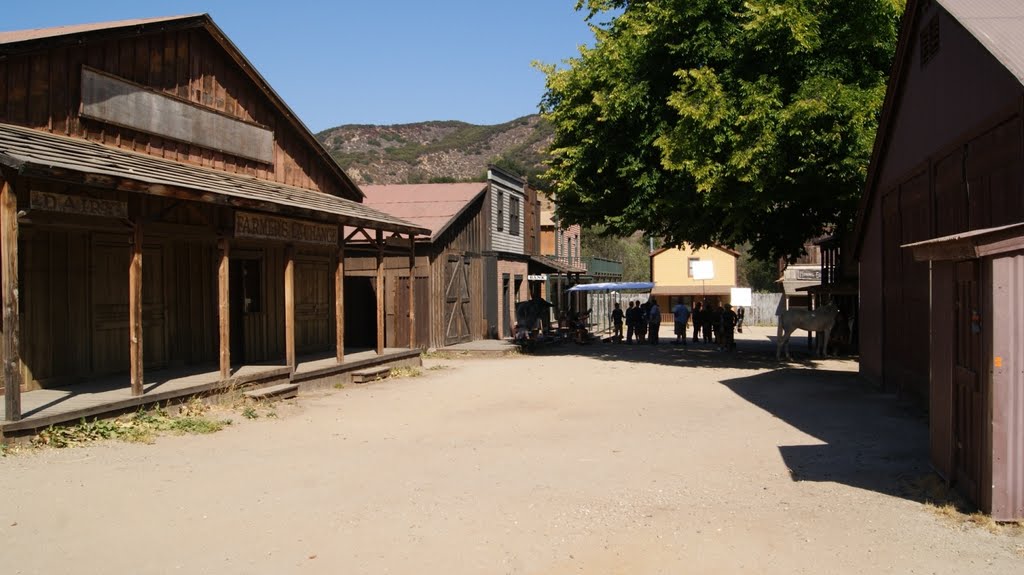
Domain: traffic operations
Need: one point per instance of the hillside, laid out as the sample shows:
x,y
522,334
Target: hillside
x,y
437,151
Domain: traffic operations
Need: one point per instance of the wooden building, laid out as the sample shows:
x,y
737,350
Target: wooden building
x,y
162,207
673,276
940,241
472,266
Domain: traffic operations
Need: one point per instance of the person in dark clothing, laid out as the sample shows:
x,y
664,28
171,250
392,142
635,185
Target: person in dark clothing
x,y
653,321
727,341
709,323
698,320
739,319
631,322
641,323
617,323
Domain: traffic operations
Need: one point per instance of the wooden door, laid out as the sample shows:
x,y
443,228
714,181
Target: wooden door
x,y
968,394
401,307
314,302
457,301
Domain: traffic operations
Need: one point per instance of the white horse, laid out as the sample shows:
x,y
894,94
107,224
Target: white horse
x,y
820,320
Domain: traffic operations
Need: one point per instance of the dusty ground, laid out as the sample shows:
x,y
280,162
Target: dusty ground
x,y
595,459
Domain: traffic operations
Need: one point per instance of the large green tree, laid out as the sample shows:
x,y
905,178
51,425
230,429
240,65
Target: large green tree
x,y
720,121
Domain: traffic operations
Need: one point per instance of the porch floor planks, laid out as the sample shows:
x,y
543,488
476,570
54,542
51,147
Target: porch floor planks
x,y
107,395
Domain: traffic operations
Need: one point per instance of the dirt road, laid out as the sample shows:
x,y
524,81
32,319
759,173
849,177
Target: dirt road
x,y
597,459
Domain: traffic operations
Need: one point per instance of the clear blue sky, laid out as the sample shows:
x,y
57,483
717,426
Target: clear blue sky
x,y
371,62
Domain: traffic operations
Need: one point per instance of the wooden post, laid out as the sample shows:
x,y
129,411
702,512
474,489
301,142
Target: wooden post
x,y
9,289
380,292
339,301
289,306
224,307
412,291
135,309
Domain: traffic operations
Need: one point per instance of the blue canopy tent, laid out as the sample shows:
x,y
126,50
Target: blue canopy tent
x,y
614,286
600,297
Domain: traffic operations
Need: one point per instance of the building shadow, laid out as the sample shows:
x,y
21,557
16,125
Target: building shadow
x,y
868,439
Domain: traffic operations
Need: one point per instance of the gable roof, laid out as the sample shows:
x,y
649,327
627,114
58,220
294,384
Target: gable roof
x,y
998,25
729,251
35,40
431,206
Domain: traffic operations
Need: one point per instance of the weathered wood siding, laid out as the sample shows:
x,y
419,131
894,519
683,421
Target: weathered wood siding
x,y
43,91
501,237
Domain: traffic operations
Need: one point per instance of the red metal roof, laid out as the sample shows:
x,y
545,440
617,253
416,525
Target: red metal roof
x,y
432,206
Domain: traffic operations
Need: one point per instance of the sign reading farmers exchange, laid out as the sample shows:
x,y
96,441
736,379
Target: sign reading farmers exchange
x,y
77,205
262,227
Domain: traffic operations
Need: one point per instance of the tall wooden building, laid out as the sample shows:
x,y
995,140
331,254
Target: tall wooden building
x,y
161,206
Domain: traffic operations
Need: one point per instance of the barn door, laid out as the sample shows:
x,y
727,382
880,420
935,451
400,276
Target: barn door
x,y
456,301
968,396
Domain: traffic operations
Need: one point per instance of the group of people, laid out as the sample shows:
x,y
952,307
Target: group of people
x,y
714,323
642,320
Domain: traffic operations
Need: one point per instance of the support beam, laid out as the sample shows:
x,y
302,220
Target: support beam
x,y
339,301
135,309
380,292
224,307
289,306
9,289
412,291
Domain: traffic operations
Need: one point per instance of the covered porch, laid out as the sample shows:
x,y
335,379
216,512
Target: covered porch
x,y
125,276
111,396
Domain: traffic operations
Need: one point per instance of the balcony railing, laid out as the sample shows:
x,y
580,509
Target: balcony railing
x,y
601,267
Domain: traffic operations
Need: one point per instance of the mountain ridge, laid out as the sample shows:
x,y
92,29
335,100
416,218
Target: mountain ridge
x,y
438,150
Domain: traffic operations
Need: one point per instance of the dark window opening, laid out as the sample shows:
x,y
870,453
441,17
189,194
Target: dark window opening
x,y
252,286
513,216
501,211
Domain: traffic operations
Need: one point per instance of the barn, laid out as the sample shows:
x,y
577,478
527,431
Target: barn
x,y
472,266
940,242
163,209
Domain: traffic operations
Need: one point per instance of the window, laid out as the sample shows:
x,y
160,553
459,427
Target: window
x,y
513,215
252,286
501,211
689,266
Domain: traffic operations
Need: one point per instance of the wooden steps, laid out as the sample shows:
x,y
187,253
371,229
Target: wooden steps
x,y
281,391
370,374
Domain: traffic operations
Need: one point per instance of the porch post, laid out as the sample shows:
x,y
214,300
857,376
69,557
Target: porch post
x,y
135,308
224,307
9,289
339,300
412,290
289,306
380,292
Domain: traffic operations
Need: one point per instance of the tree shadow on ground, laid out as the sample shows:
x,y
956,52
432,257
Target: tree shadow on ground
x,y
756,352
869,439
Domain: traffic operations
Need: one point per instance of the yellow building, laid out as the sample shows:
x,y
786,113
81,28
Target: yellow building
x,y
672,271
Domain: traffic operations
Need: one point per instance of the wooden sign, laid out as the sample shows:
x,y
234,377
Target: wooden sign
x,y
123,103
78,205
248,225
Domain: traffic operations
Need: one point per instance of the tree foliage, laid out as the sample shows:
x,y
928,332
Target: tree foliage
x,y
720,121
632,251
